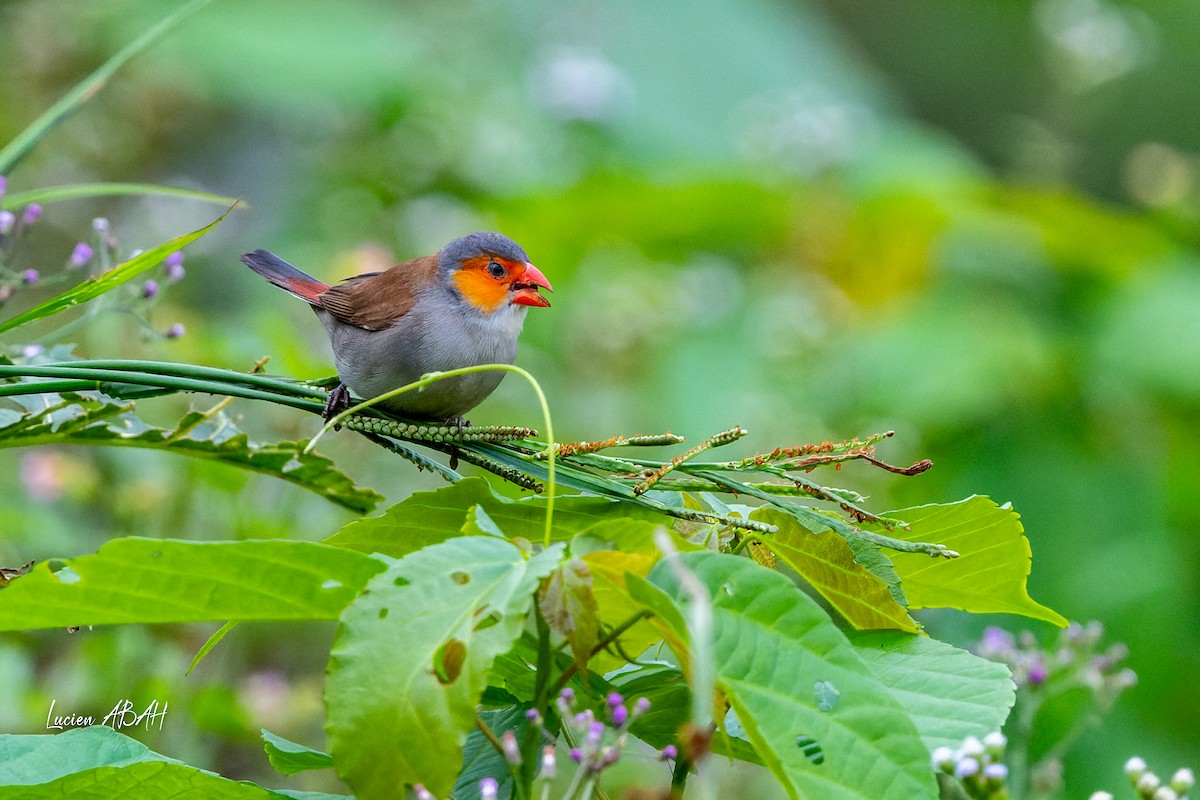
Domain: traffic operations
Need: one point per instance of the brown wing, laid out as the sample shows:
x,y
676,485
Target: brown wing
x,y
376,300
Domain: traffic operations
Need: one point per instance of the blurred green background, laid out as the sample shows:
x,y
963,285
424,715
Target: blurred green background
x,y
973,223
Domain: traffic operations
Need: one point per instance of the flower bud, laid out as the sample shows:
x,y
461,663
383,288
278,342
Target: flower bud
x,y
995,772
488,789
534,716
176,331
595,733
641,706
3,185
29,277
7,221
80,255
32,350
149,289
669,753
1101,796
6,292
1147,784
943,759
422,793
971,747
994,743
30,214
1135,768
1165,793
966,767
620,715
608,757
576,755
1183,780
512,751
100,225
615,700
549,762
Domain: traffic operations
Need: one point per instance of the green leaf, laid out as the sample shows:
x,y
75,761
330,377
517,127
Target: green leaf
x,y
426,518
827,562
137,580
412,657
480,759
614,603
97,285
97,763
83,91
993,564
949,693
569,608
289,757
77,191
97,420
774,649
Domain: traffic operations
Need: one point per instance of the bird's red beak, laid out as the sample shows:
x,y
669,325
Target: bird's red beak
x,y
526,288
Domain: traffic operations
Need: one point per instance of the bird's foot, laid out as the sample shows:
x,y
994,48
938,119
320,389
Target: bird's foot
x,y
337,402
462,425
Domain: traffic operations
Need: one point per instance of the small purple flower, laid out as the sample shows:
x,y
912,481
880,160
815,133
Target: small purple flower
x,y
641,706
7,221
32,350
150,289
576,755
669,753
30,214
568,695
996,641
534,716
512,751
595,732
995,772
422,793
608,757
1037,674
549,762
488,789
620,715
966,767
173,267
615,700
80,255
176,331
29,277
100,225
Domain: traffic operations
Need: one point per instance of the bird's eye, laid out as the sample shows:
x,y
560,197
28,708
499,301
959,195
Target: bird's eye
x,y
496,269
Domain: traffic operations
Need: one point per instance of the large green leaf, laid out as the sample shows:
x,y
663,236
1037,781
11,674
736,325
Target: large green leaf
x,y
96,420
993,564
97,285
426,518
412,656
137,580
86,89
949,693
97,763
792,677
827,562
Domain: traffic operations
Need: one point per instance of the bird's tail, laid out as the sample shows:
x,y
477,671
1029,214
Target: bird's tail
x,y
285,276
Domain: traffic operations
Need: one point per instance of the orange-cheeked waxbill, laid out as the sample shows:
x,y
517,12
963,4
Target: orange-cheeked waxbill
x,y
459,307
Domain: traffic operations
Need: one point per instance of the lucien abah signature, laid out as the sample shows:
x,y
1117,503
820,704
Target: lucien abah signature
x,y
123,715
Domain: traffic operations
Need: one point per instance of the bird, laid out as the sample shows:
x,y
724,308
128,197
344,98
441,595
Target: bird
x,y
462,306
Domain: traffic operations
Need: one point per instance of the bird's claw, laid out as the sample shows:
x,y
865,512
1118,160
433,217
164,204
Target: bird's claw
x,y
337,402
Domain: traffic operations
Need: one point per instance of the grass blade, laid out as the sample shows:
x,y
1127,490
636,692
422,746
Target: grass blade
x,y
78,191
99,284
83,91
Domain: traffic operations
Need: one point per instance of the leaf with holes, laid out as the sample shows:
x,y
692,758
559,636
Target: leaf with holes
x,y
97,420
827,562
950,693
792,677
412,656
992,568
569,608
137,580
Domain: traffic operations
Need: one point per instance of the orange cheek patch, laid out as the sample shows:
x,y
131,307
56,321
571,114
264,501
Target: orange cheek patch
x,y
479,288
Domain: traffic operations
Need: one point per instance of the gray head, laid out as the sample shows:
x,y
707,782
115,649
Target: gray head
x,y
490,272
481,243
